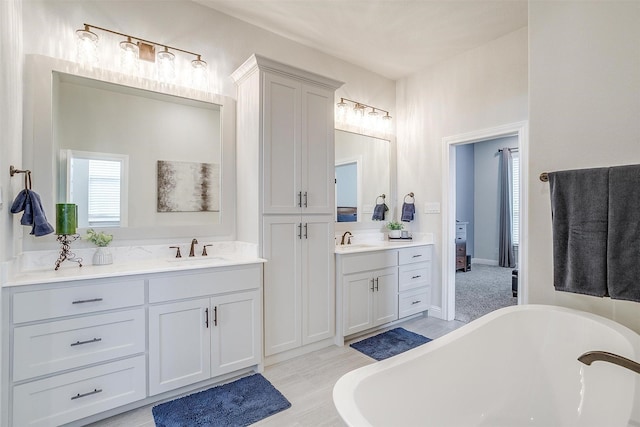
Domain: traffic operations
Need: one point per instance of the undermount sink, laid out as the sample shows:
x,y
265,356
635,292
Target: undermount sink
x,y
197,259
354,247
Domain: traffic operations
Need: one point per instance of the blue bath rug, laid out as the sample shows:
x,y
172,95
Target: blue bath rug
x,y
390,343
239,403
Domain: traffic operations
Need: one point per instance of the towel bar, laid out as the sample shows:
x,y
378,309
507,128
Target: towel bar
x,y
544,177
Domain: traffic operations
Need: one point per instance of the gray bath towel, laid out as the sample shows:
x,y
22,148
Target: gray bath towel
x,y
623,247
579,205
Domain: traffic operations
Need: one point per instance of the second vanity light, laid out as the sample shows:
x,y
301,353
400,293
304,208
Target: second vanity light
x,y
358,114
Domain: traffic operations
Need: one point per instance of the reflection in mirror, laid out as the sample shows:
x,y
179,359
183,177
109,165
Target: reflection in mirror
x,y
362,174
137,127
97,184
347,184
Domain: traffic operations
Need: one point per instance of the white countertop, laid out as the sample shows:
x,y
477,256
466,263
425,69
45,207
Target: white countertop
x,y
379,246
32,268
71,271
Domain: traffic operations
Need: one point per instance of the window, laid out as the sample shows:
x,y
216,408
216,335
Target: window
x,y
515,184
97,184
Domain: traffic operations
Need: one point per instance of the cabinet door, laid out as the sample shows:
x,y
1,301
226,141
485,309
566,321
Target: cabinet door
x,y
282,191
385,296
179,345
317,150
282,289
318,283
235,332
357,302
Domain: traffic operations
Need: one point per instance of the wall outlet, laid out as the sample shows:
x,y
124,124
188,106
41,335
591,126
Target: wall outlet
x,y
432,208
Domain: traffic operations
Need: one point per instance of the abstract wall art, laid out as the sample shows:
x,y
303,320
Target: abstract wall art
x,y
188,187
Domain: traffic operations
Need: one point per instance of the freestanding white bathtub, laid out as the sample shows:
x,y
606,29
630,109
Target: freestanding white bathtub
x,y
514,367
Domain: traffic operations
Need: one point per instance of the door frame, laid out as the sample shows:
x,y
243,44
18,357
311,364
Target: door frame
x,y
519,130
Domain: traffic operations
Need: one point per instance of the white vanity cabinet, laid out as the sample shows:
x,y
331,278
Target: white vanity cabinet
x,y
285,198
377,287
370,299
78,351
214,331
75,349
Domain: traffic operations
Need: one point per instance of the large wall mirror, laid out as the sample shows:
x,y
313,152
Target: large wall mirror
x,y
363,174
142,159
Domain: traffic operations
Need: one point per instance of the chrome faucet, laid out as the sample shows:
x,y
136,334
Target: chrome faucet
x,y
592,356
194,242
348,240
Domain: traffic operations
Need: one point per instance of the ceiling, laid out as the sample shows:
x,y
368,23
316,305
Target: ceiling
x,y
393,38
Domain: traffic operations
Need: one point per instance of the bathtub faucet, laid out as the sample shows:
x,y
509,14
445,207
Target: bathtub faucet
x,y
592,356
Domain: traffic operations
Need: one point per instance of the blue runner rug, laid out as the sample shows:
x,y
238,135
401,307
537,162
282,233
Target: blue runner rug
x,y
239,403
390,343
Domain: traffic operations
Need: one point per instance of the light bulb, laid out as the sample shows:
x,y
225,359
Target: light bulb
x,y
166,66
341,111
200,74
87,46
129,56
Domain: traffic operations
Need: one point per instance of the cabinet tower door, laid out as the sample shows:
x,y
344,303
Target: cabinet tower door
x,y
282,290
318,288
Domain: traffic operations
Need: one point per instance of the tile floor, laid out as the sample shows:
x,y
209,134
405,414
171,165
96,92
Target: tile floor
x,y
306,381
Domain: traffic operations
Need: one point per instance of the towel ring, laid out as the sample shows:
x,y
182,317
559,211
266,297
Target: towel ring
x,y
411,196
380,196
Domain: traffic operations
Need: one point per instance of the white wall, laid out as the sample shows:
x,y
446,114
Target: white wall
x,y
486,196
584,112
479,89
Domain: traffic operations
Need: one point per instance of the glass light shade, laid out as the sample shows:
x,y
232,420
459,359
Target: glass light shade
x,y
341,111
166,64
87,47
129,56
200,74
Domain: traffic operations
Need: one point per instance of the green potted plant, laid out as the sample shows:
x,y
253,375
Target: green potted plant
x,y
395,229
102,256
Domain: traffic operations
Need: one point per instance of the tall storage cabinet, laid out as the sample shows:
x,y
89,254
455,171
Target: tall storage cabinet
x,y
285,197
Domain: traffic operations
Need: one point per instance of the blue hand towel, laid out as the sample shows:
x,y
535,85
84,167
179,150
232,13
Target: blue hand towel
x,y
408,211
29,202
378,212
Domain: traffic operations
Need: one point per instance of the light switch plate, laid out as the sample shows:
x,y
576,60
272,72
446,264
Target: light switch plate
x,y
432,208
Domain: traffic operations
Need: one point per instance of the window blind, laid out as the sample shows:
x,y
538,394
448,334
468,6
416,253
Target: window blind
x,y
104,192
515,177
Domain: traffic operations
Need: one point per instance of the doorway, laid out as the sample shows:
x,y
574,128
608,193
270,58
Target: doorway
x,y
520,132
481,284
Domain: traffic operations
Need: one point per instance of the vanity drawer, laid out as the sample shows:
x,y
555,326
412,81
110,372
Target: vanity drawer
x,y
50,347
80,299
413,276
64,398
193,285
354,263
414,301
414,254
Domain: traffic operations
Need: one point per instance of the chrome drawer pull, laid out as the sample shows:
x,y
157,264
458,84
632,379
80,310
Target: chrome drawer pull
x,y
417,256
78,396
416,277
87,300
416,302
86,342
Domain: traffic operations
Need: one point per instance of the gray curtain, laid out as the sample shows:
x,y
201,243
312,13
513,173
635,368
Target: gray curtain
x,y
505,251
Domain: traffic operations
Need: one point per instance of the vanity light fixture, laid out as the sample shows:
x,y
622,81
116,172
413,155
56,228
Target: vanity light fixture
x,y
359,116
134,49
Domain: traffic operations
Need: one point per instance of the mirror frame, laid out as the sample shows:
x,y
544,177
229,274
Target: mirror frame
x,y
39,138
392,203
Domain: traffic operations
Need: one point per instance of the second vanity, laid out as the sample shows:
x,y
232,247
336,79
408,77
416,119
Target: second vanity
x,y
86,343
379,283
